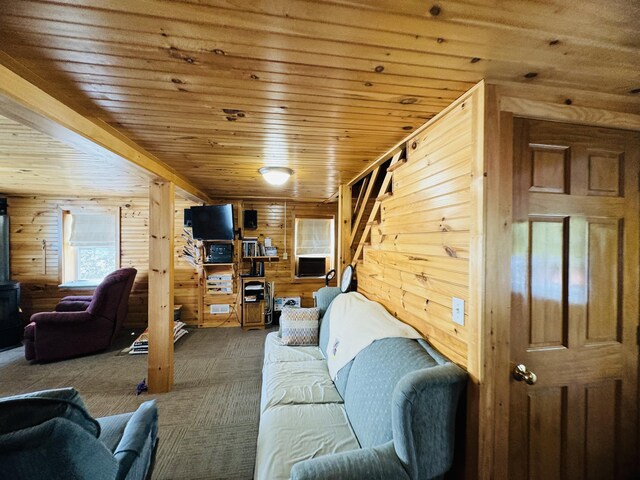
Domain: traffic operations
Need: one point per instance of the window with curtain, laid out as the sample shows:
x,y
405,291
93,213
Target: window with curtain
x,y
314,240
91,247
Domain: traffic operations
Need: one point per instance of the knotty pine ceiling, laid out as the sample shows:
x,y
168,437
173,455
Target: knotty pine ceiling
x,y
32,163
220,88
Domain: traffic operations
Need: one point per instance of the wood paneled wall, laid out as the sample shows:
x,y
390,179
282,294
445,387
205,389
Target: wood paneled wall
x,y
419,257
185,277
36,265
271,220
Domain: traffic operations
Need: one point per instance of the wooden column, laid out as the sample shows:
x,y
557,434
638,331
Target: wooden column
x,y
161,213
344,229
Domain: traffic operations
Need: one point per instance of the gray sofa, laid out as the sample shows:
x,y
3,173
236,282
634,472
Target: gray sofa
x,y
389,415
50,434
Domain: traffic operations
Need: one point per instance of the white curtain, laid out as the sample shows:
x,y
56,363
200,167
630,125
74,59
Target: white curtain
x,y
314,236
92,230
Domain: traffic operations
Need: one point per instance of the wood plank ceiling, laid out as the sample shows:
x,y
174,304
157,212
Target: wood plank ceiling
x,y
32,163
220,88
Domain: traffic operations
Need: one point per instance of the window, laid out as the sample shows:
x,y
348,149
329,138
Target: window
x,y
90,247
314,247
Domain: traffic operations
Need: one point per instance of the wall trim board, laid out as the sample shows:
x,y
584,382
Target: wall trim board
x,y
492,407
541,110
477,233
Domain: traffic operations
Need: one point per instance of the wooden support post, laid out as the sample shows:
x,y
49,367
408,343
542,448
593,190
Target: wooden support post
x,y
161,218
345,217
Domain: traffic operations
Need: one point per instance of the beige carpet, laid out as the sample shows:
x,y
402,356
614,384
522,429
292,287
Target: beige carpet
x,y
208,422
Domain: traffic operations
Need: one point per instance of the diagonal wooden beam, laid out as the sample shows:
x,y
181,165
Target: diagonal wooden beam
x,y
376,206
363,206
363,187
23,101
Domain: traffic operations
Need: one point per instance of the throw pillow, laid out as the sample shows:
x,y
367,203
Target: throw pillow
x,y
299,326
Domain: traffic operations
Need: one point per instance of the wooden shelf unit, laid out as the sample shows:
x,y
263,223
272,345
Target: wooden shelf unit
x,y
253,310
219,278
218,285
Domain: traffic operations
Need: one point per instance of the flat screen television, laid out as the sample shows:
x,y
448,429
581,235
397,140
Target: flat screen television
x,y
212,222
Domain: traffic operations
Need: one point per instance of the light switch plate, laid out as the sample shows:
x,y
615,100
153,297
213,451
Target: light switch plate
x,y
457,310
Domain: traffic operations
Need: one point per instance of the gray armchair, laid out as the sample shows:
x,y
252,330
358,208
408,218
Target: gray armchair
x,y
50,434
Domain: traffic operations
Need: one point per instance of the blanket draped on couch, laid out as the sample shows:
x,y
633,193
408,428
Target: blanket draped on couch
x,y
368,322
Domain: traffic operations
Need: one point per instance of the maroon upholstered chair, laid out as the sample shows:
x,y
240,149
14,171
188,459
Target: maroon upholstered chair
x,y
78,331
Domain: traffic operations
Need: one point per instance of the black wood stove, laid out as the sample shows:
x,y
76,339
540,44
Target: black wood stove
x,y
10,322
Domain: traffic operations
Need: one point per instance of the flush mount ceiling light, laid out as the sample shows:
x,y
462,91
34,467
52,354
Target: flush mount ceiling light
x,y
276,175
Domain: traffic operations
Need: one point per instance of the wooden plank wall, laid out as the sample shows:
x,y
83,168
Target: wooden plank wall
x,y
35,219
271,224
185,277
419,256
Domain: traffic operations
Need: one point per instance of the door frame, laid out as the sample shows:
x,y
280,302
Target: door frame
x,y
491,401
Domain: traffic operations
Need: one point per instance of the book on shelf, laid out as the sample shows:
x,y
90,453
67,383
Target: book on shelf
x,y
222,276
221,290
250,248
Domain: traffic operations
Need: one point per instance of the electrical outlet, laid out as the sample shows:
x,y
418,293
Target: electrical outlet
x,y
285,256
457,310
217,309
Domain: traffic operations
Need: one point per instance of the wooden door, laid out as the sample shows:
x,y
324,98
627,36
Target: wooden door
x,y
574,302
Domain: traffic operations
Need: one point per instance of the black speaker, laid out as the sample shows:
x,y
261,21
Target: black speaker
x,y
187,217
250,219
3,206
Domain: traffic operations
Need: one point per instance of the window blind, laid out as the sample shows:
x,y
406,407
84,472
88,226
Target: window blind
x,y
314,237
92,230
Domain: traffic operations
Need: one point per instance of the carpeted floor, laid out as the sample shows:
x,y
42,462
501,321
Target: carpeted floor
x,y
208,422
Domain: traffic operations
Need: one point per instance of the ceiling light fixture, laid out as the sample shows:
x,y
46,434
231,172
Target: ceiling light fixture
x,y
276,175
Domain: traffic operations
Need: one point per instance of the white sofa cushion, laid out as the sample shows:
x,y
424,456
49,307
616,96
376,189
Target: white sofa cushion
x,y
287,383
275,351
294,433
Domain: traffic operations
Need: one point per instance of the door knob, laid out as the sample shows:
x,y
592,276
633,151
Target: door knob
x,y
521,373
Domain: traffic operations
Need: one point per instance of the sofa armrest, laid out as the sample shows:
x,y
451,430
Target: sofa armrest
x,y
44,318
72,306
377,463
423,415
135,450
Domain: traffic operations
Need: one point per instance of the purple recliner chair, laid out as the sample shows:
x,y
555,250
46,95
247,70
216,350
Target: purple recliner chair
x,y
81,327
